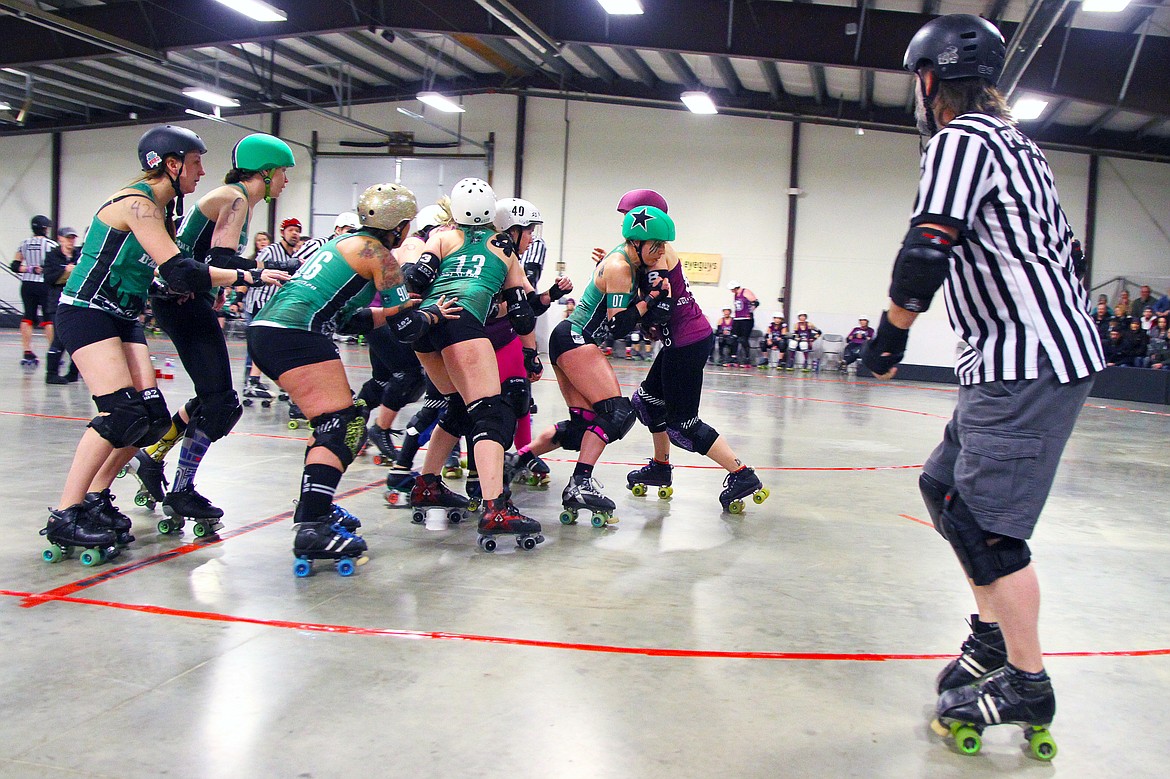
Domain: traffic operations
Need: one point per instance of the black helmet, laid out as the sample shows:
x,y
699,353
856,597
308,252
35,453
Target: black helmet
x,y
958,46
157,142
41,224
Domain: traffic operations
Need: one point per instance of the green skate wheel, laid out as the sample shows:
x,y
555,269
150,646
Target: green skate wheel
x,y
164,526
1042,744
54,554
473,504
600,520
200,530
639,490
122,473
532,481
293,424
91,557
761,495
140,499
665,492
735,507
967,739
568,517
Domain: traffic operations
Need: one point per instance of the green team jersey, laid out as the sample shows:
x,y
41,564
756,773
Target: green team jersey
x,y
323,294
194,236
114,271
591,316
473,274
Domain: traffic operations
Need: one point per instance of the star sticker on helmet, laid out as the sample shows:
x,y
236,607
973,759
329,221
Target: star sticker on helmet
x,y
642,218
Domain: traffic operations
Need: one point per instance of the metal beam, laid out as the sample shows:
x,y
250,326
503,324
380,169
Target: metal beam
x,y
635,63
103,78
820,87
436,53
264,68
772,75
599,66
996,11
1103,120
1149,127
378,75
727,74
61,25
1053,113
682,71
865,78
382,52
68,93
1041,17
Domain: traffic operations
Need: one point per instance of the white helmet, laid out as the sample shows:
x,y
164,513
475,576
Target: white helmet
x,y
512,211
733,285
429,217
777,314
347,219
473,202
802,314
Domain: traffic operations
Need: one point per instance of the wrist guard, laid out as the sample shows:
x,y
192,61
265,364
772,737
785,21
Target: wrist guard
x,y
889,338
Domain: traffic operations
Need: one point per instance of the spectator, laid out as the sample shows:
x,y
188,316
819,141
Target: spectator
x,y
1163,304
570,306
725,337
854,341
1114,348
1121,317
804,336
1102,318
745,305
1158,351
1133,345
1103,298
775,343
1123,300
1145,299
1147,318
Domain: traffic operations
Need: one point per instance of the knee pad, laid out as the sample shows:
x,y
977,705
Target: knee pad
x,y
985,557
455,419
517,393
492,420
371,392
651,411
568,433
614,418
693,435
341,432
125,419
218,413
159,416
934,495
403,387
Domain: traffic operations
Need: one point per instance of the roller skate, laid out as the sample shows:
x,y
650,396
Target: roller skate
x,y
1002,698
532,470
254,391
454,467
381,437
152,482
399,482
296,417
327,540
739,485
653,474
583,492
500,517
429,492
29,362
181,505
983,652
474,493
75,526
104,513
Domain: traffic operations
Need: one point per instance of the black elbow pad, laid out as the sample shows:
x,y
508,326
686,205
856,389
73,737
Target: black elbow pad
x,y
520,312
419,276
538,307
223,257
921,268
184,275
623,322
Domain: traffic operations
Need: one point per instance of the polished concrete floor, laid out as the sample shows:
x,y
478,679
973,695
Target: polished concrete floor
x,y
800,639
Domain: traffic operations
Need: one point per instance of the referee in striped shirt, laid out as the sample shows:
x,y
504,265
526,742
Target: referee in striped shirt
x,y
34,292
988,229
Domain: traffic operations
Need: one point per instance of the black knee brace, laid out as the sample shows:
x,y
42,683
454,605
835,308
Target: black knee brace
x,y
218,413
985,557
517,393
693,435
341,432
614,418
651,411
455,419
934,495
403,387
492,420
159,416
569,432
125,419
371,392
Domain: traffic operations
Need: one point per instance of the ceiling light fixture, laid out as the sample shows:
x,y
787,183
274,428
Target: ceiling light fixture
x,y
256,9
1104,6
699,103
1028,108
621,7
214,98
4,106
441,102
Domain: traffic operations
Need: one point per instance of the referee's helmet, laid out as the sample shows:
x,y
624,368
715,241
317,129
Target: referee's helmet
x,y
958,46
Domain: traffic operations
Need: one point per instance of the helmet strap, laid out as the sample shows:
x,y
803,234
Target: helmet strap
x,y
175,207
267,186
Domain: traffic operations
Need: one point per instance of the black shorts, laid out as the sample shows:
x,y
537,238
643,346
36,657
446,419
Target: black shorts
x,y
277,350
35,295
79,327
464,327
562,340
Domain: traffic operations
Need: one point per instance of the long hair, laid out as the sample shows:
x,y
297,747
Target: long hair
x,y
971,95
239,175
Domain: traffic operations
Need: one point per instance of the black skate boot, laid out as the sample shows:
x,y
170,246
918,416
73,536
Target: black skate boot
x,y
326,540
583,492
454,467
527,468
381,438
181,505
72,527
152,481
399,483
296,417
428,492
739,485
474,493
983,652
1001,698
652,474
72,375
104,513
344,518
53,368
29,361
254,390
500,517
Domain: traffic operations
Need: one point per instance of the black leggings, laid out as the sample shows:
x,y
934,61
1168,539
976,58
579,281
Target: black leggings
x,y
742,330
389,356
676,377
194,328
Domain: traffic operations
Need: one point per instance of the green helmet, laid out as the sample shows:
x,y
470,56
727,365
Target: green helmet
x,y
259,151
647,223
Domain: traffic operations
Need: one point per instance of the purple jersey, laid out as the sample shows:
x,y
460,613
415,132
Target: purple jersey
x,y
687,325
743,307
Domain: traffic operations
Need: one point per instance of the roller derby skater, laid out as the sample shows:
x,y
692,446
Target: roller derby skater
x,y
29,362
987,512
29,262
652,474
255,390
738,485
584,493
526,468
397,380
101,508
326,539
73,527
429,491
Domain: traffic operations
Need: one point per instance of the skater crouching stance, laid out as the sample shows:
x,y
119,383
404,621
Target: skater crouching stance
x,y
987,219
609,308
98,324
214,232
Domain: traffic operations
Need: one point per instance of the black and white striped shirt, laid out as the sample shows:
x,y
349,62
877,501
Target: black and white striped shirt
x,y
1012,291
274,256
33,251
533,259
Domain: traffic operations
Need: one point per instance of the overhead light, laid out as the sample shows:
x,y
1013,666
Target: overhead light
x,y
1104,6
1027,108
14,72
441,102
214,98
257,9
621,7
213,117
699,103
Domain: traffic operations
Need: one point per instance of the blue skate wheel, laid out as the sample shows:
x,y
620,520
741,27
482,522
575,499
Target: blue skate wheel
x,y
345,567
302,567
